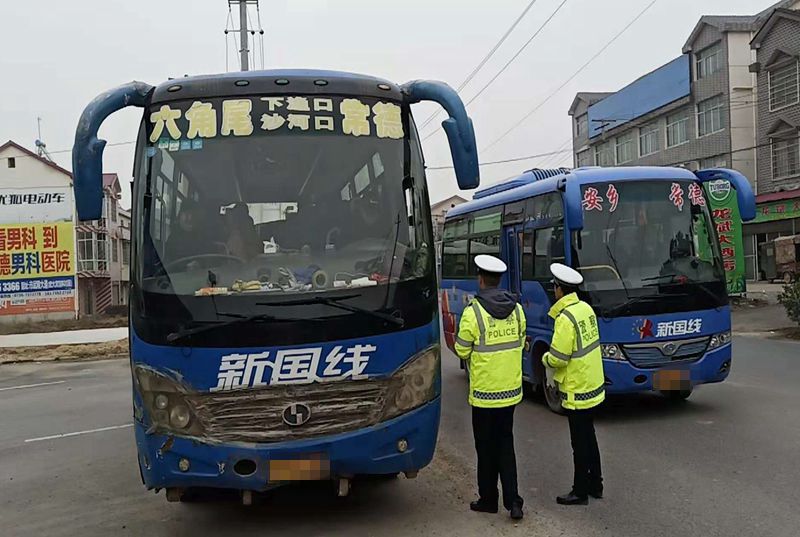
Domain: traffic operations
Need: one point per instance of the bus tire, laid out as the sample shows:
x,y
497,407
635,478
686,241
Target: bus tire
x,y
677,395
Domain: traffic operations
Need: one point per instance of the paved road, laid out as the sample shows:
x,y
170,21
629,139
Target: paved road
x,y
725,463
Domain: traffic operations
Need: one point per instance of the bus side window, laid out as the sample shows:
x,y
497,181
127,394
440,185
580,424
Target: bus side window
x,y
454,259
527,255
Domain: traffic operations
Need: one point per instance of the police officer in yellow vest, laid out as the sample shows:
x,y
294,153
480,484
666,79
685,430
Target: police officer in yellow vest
x,y
490,338
576,357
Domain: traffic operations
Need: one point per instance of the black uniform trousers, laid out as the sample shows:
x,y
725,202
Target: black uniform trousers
x,y
494,441
585,453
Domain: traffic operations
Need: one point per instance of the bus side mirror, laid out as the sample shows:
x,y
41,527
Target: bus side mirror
x,y
458,127
744,192
87,152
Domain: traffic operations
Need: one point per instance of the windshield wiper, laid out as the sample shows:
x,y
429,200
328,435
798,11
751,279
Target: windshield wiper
x,y
238,318
335,303
641,298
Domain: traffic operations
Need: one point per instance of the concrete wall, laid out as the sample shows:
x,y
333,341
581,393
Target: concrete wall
x,y
742,109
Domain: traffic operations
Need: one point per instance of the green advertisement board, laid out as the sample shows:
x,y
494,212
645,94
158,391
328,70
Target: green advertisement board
x,y
725,212
777,210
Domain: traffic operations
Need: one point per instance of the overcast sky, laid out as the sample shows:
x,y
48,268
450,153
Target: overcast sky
x,y
58,55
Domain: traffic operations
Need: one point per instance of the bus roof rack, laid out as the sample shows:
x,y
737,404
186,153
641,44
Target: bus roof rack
x,y
530,176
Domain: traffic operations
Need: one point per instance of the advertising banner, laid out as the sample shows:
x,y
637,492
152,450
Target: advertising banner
x,y
37,251
728,222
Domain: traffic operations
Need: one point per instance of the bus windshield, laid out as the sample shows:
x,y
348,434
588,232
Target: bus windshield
x,y
648,239
282,215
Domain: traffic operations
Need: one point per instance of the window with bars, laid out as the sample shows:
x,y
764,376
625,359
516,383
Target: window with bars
x,y
785,156
649,142
707,61
783,86
625,148
604,154
677,129
720,161
710,117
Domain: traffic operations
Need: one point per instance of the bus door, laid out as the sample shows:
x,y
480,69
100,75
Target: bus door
x,y
511,257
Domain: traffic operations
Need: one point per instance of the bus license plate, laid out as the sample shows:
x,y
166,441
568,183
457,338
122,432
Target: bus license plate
x,y
303,468
671,380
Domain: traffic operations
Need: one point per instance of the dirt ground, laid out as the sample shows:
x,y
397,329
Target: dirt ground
x,y
85,323
54,353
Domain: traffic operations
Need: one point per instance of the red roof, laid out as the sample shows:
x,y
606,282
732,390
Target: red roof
x,y
778,196
31,154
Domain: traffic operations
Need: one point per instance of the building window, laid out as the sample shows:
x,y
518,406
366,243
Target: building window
x,y
126,251
113,204
625,148
710,118
604,154
12,162
585,158
581,126
785,156
707,61
720,161
677,129
649,142
783,86
85,250
114,252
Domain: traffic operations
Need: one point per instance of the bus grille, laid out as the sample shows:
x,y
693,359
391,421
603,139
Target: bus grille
x,y
256,415
669,352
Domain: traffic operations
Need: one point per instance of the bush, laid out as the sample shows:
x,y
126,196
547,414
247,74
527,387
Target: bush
x,y
790,298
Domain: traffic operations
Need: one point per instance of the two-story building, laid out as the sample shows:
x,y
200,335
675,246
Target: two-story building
x,y
104,253
777,48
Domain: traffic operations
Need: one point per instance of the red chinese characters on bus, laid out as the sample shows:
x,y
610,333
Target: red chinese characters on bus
x,y
676,195
613,197
696,195
592,200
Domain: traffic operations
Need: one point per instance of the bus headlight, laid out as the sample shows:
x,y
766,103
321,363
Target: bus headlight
x,y
718,340
612,352
413,385
166,404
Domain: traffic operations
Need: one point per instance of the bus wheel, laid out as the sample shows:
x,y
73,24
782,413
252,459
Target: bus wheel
x,y
677,395
552,397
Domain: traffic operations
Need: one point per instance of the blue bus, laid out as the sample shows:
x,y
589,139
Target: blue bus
x,y
644,240
283,302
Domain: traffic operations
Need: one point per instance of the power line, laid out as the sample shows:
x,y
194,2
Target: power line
x,y
484,60
504,161
25,155
513,58
575,74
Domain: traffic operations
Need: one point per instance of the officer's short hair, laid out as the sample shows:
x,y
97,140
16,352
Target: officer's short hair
x,y
567,288
492,279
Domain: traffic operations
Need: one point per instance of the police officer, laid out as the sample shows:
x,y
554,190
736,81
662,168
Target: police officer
x,y
576,357
490,338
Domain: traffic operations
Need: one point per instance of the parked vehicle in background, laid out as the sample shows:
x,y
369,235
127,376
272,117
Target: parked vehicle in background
x,y
644,240
787,257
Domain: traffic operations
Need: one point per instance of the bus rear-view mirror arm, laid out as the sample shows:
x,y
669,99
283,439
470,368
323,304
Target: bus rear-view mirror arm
x,y
87,152
458,127
744,192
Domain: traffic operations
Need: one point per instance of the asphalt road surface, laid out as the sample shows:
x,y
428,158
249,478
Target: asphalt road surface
x,y
724,463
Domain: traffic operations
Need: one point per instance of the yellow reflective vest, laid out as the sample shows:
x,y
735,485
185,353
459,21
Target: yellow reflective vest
x,y
493,350
575,354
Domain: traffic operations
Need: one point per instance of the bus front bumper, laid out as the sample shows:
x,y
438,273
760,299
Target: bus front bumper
x,y
624,377
163,459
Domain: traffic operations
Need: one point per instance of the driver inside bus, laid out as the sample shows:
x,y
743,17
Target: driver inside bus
x,y
184,240
243,241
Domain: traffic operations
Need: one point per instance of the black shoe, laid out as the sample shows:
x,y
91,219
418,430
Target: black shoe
x,y
572,499
596,492
483,507
516,512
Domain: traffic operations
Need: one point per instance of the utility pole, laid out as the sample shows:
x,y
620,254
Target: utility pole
x,y
243,35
